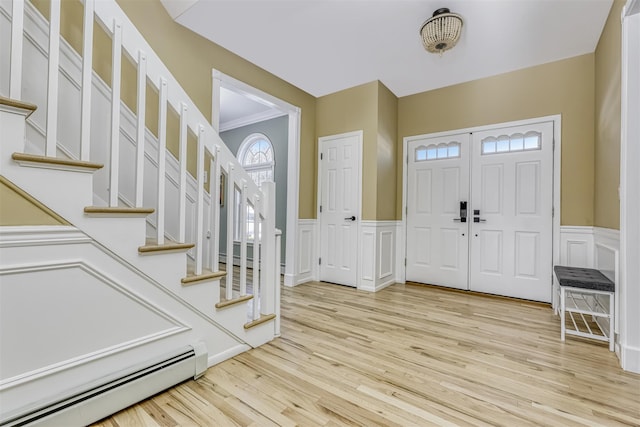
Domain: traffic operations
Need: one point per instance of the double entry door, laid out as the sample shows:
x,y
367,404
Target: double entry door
x,y
479,211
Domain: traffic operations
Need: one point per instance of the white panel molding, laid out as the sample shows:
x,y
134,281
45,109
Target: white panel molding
x,y
307,255
14,236
401,247
576,246
378,255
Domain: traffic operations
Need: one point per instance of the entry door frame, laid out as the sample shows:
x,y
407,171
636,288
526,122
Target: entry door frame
x,y
557,158
359,134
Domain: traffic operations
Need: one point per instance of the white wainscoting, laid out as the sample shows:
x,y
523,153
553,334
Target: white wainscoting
x,y
377,260
378,264
576,246
73,313
594,247
306,253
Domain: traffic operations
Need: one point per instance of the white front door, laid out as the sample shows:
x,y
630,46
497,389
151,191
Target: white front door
x,y
512,188
438,181
505,247
339,209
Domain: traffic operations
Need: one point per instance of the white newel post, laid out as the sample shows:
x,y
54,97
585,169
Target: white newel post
x,y
268,262
230,203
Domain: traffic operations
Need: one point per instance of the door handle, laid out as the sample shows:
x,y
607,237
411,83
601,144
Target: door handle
x,y
478,219
351,218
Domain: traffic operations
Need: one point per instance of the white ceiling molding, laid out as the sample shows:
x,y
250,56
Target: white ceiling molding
x,y
249,120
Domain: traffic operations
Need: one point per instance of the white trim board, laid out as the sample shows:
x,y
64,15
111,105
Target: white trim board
x,y
629,184
293,163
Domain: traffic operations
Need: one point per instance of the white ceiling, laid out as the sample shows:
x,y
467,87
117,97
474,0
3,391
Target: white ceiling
x,y
324,46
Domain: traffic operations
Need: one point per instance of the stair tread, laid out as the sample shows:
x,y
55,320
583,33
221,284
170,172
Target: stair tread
x,y
229,302
124,210
263,319
18,104
34,158
205,275
152,246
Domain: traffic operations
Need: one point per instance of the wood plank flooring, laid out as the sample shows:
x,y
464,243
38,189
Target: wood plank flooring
x,y
409,355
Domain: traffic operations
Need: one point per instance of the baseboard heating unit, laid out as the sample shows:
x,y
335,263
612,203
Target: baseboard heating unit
x,y
115,392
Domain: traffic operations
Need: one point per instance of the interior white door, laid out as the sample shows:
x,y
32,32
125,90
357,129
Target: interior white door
x,y
339,207
512,198
437,236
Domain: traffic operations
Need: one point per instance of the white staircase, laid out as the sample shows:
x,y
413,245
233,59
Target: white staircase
x,y
134,275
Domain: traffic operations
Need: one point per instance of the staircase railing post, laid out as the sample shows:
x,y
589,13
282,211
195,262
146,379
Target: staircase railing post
x,y
268,264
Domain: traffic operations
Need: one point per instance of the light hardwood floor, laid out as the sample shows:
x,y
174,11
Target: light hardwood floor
x,y
409,355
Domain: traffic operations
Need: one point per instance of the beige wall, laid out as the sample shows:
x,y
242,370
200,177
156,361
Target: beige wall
x,y
607,121
563,87
386,152
352,110
16,209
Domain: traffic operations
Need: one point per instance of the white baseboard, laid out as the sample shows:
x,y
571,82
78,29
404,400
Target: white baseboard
x,y
227,354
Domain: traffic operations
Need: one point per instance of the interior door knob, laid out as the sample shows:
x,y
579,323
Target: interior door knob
x,y
351,218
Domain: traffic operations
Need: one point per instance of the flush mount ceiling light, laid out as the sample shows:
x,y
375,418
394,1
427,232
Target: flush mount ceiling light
x,y
442,31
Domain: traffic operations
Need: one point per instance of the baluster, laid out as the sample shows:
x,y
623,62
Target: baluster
x,y
52,79
87,72
200,202
140,129
17,37
162,154
230,203
268,248
243,238
257,220
182,158
115,112
214,220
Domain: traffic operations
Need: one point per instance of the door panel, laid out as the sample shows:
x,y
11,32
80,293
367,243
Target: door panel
x,y
339,199
438,180
511,246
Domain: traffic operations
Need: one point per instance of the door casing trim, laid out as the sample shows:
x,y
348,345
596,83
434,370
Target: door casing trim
x,y
360,135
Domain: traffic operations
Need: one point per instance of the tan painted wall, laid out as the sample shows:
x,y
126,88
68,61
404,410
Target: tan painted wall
x,y
352,110
17,210
386,163
607,121
563,87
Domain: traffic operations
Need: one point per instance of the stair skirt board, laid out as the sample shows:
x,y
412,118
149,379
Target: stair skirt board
x,y
118,392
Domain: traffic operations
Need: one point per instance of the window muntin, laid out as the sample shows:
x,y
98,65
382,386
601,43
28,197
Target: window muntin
x,y
437,151
256,155
509,144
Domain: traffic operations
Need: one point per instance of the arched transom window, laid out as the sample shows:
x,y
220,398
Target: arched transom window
x,y
257,157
